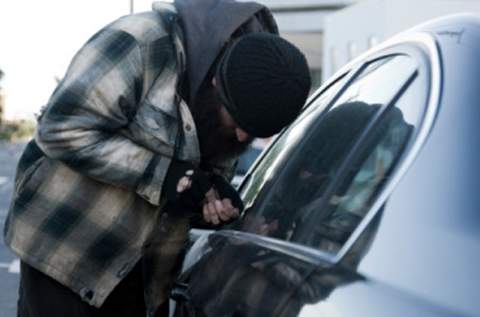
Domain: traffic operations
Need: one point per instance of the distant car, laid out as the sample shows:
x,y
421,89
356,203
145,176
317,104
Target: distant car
x,y
369,204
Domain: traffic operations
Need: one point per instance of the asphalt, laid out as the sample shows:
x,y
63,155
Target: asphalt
x,y
9,265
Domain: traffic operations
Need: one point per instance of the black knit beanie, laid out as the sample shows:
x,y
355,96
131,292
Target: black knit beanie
x,y
264,82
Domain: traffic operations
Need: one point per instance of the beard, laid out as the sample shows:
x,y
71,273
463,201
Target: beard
x,y
218,142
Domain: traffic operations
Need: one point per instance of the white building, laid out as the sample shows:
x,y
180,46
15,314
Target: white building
x,y
353,30
332,32
303,22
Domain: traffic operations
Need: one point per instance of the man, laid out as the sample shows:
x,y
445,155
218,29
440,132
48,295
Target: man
x,y
152,111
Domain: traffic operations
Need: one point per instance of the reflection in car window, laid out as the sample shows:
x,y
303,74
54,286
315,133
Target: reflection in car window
x,y
295,133
380,81
322,189
347,205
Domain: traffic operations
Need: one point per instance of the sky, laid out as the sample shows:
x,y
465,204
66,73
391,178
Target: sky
x,y
39,38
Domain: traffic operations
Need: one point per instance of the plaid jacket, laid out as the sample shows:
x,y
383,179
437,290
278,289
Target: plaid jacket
x,y
87,203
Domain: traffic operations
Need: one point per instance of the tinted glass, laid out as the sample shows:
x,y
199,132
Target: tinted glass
x,y
332,214
321,177
285,144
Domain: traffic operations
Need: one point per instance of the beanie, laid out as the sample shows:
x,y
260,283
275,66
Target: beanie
x,y
263,81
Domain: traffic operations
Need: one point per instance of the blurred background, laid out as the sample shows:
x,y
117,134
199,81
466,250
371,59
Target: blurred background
x,y
39,38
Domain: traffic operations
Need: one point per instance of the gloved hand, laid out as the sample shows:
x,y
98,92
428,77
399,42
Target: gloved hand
x,y
187,183
226,190
187,188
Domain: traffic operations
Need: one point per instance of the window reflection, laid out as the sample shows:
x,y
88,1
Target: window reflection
x,y
379,81
310,188
282,148
364,177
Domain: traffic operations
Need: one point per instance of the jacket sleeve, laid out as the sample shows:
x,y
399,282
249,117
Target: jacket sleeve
x,y
97,98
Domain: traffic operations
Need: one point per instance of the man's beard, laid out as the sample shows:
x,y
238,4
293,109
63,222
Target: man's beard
x,y
217,141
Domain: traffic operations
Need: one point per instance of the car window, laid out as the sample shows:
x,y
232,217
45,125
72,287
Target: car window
x,y
318,181
287,142
329,218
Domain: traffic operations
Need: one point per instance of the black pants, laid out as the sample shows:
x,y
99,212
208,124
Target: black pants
x,y
42,296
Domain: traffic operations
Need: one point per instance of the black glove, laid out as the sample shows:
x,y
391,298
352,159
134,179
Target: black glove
x,y
200,185
226,190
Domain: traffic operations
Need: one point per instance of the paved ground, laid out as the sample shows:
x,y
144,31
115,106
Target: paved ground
x,y
9,265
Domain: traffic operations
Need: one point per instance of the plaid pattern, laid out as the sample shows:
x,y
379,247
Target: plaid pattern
x,y
87,193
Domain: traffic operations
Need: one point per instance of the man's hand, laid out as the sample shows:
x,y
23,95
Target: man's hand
x,y
216,209
187,183
259,225
226,190
191,188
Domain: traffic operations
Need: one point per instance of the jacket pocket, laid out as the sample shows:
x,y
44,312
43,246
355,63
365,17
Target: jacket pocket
x,y
155,129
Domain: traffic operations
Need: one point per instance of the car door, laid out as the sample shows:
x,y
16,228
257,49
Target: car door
x,y
314,201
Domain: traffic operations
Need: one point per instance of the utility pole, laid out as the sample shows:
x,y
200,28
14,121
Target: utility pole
x,y
131,6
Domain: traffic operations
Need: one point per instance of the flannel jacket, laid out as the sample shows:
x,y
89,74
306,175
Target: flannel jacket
x,y
87,201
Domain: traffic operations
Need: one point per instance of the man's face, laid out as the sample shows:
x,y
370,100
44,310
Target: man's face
x,y
219,136
229,123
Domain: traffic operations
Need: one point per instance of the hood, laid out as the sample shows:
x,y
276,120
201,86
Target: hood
x,y
208,24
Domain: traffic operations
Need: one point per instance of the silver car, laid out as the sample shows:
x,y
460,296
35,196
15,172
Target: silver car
x,y
368,205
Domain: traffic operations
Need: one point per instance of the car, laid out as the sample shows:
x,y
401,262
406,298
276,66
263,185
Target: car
x,y
368,204
246,160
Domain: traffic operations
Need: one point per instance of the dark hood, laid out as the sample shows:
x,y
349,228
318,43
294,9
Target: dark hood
x,y
208,24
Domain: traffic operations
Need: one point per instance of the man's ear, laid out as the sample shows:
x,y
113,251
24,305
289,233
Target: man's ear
x,y
214,82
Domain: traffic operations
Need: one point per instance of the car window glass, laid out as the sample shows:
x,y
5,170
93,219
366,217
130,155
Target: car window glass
x,y
305,194
322,101
328,220
379,81
286,142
